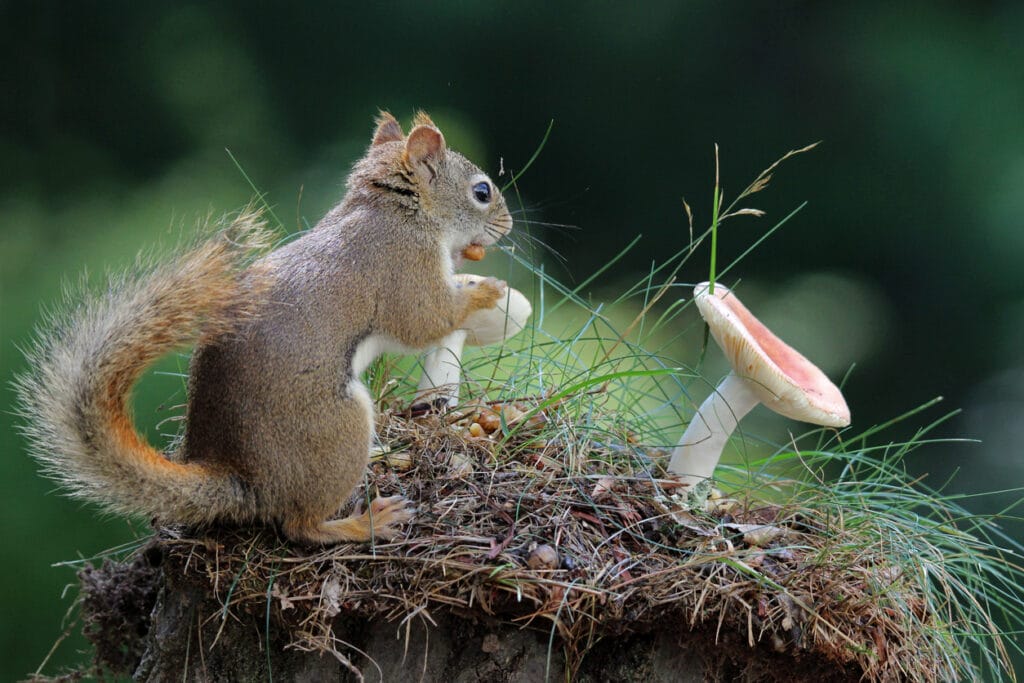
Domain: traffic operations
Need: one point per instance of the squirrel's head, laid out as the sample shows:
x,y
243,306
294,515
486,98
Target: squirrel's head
x,y
419,173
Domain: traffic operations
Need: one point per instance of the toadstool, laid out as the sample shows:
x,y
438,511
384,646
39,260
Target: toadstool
x,y
764,370
442,366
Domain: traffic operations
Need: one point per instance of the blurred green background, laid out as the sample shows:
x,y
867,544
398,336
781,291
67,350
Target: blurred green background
x,y
116,116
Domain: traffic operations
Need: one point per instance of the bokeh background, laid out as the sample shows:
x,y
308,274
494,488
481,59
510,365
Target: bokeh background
x,y
909,255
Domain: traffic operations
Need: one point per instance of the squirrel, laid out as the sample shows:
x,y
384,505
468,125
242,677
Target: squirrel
x,y
278,424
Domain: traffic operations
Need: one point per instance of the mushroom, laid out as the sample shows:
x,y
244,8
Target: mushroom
x,y
442,366
764,370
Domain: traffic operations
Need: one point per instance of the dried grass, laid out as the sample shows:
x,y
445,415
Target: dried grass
x,y
631,557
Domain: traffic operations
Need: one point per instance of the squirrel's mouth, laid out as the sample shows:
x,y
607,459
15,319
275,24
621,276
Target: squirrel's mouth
x,y
476,249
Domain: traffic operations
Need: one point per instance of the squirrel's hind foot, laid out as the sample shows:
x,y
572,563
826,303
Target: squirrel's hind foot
x,y
379,522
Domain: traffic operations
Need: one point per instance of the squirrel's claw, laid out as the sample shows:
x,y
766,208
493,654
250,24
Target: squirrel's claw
x,y
386,513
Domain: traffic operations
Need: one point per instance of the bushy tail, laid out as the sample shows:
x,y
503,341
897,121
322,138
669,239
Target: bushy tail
x,y
75,396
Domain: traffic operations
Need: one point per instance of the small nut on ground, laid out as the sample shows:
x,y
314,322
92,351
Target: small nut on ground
x,y
543,557
474,252
489,421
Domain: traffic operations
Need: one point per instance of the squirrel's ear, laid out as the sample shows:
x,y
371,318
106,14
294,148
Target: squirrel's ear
x,y
423,150
388,129
422,119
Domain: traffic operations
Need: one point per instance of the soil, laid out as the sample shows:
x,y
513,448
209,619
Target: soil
x,y
156,623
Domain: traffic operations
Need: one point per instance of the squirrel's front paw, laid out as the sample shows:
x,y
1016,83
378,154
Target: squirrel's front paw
x,y
486,293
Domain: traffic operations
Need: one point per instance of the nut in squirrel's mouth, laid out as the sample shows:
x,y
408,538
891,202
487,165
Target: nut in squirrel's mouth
x,y
474,251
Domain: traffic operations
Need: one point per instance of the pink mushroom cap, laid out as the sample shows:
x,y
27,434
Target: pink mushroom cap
x,y
778,374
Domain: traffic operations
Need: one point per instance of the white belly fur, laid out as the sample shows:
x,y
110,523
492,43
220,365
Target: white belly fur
x,y
367,351
370,348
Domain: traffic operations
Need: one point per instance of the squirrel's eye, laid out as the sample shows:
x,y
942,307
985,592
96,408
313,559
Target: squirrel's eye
x,y
482,192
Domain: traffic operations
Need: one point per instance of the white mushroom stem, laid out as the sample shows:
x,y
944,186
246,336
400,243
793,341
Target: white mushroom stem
x,y
442,369
695,457
442,366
